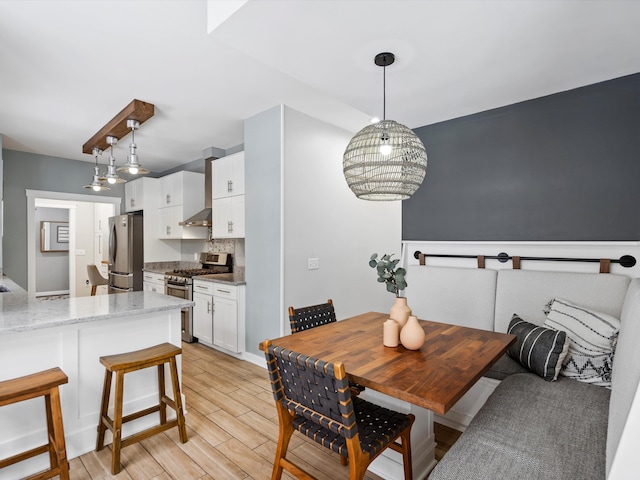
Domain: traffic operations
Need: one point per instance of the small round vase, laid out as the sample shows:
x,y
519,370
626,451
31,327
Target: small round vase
x,y
412,334
400,311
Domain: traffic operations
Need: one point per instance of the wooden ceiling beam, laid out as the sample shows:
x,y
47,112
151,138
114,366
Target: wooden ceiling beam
x,y
117,126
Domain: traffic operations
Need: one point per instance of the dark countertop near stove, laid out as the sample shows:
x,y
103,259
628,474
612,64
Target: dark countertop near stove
x,y
228,278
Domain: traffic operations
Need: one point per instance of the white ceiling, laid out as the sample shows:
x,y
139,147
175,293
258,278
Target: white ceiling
x,y
67,67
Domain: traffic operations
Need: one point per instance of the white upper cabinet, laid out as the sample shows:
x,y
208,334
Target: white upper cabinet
x,y
228,217
228,196
228,176
181,196
172,187
135,196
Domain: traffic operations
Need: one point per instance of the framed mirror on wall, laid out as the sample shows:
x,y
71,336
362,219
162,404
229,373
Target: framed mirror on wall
x,y
54,236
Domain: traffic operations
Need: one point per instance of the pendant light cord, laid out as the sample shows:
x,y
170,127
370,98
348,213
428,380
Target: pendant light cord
x,y
384,91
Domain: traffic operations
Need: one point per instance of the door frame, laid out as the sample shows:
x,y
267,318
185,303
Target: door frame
x,y
41,198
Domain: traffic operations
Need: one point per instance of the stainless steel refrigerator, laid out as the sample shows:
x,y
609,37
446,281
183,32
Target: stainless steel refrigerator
x,y
126,258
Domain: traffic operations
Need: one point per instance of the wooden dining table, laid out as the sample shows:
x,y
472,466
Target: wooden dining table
x,y
452,359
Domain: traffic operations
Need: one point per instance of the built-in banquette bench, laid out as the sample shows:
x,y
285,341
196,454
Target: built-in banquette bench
x,y
529,427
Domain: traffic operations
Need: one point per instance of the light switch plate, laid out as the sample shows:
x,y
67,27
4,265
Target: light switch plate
x,y
313,263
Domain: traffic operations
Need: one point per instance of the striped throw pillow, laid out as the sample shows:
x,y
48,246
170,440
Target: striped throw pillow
x,y
592,341
540,349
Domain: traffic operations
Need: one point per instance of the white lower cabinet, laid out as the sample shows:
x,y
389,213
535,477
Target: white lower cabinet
x,y
225,318
153,282
218,315
203,317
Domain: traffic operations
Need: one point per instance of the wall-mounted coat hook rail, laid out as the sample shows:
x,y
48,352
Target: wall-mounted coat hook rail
x,y
626,261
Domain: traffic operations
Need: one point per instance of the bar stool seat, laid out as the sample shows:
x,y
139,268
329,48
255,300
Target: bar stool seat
x,y
123,363
42,384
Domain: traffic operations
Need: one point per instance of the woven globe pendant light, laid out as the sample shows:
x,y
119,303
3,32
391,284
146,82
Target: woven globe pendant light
x,y
385,160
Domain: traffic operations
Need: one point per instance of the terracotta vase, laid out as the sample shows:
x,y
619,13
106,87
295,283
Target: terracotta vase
x,y
390,333
412,334
400,311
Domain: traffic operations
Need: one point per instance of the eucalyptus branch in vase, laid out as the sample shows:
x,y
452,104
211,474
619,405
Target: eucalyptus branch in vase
x,y
389,274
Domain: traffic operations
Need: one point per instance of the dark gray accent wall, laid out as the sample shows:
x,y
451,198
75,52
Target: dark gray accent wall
x,y
557,168
28,171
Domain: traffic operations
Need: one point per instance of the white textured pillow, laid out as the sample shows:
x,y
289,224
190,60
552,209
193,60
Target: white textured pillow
x,y
592,341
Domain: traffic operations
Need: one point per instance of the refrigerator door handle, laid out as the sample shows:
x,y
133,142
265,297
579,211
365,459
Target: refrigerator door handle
x,y
113,243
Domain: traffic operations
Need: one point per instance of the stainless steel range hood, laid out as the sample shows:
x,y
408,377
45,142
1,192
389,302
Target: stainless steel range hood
x,y
203,217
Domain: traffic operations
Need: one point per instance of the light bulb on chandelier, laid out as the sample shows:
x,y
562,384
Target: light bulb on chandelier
x,y
133,166
111,177
96,185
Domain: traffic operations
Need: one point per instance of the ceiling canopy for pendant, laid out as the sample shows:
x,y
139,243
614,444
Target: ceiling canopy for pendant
x,y
384,160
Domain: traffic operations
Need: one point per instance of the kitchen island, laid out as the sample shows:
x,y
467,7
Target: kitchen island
x,y
73,334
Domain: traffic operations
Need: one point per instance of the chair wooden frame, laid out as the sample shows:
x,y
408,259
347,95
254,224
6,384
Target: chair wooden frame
x,y
42,384
331,421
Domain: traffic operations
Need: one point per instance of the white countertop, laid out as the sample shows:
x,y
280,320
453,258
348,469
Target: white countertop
x,y
19,312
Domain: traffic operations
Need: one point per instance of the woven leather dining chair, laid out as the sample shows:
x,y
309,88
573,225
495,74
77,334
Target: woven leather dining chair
x,y
304,318
313,397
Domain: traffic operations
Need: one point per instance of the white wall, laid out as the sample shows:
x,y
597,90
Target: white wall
x,y
298,206
323,219
84,251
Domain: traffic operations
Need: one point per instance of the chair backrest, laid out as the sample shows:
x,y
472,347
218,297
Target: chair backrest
x,y
312,388
95,278
304,318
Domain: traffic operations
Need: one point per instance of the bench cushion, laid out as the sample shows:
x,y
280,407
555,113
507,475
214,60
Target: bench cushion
x,y
459,296
526,293
504,367
533,429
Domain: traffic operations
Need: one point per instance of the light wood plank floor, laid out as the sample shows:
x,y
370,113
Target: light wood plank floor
x,y
232,426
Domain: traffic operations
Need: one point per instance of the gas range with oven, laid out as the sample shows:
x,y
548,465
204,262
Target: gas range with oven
x,y
179,283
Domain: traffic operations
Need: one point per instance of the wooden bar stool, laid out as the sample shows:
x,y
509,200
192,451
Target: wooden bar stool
x,y
42,384
130,362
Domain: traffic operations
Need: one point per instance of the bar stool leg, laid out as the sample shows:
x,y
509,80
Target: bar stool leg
x,y
53,454
117,423
104,407
58,432
177,399
161,395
